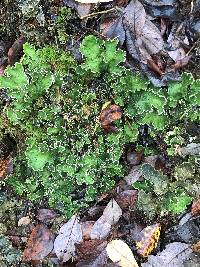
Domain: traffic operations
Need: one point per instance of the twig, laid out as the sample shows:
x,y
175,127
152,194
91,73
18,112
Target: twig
x,y
101,12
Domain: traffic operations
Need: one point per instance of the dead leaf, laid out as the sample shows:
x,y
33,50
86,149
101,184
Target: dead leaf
x,y
15,49
99,260
45,215
135,17
92,1
40,244
126,199
181,63
86,229
6,167
108,116
196,208
118,251
190,149
153,66
24,221
102,226
196,247
113,28
135,157
173,255
150,39
90,247
149,239
69,235
133,176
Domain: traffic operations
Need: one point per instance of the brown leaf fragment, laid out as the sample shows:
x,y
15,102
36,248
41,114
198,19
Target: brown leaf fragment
x,y
15,49
196,208
196,247
40,244
45,215
127,198
88,248
110,114
134,157
6,167
181,63
153,66
86,229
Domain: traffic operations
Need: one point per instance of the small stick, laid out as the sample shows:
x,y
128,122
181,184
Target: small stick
x,y
101,12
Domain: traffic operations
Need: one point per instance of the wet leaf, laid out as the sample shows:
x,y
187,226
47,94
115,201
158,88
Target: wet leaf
x,y
173,255
69,235
118,251
196,208
149,239
40,244
127,198
103,225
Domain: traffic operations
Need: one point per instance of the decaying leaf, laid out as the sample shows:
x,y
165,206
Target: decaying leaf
x,y
86,229
13,52
181,62
127,198
108,116
103,225
196,247
81,8
173,255
40,244
149,239
92,1
118,251
69,235
6,167
196,208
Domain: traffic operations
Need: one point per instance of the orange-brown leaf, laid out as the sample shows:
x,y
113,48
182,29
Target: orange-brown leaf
x,y
40,244
196,208
6,167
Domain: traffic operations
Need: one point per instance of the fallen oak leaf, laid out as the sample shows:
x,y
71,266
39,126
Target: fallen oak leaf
x,y
40,244
69,235
119,252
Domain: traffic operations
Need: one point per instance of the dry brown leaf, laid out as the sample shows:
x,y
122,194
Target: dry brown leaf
x,y
118,251
108,116
13,52
86,229
196,247
39,245
127,198
196,208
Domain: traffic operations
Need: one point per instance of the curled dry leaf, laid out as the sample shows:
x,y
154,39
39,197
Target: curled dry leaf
x,y
119,252
196,208
69,235
149,239
103,225
6,167
40,244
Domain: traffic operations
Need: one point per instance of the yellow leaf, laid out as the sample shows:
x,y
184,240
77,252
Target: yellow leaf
x,y
118,251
